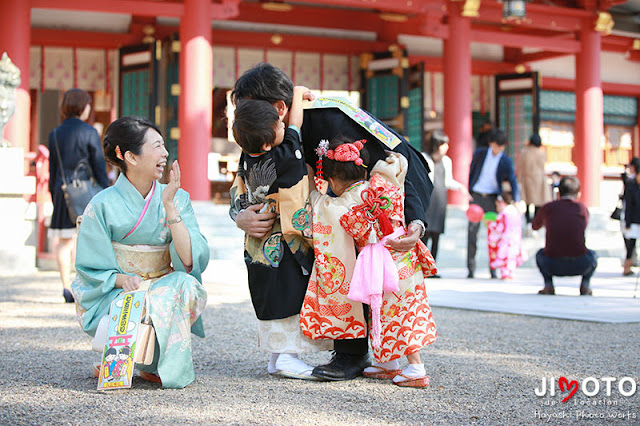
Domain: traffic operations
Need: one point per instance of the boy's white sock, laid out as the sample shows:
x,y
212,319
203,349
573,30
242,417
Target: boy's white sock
x,y
413,370
389,365
271,367
291,363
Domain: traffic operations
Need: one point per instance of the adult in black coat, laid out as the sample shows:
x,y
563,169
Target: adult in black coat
x,y
76,141
266,82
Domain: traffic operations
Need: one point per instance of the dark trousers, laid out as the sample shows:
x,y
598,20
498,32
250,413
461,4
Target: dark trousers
x,y
630,244
354,346
567,267
527,213
488,204
434,237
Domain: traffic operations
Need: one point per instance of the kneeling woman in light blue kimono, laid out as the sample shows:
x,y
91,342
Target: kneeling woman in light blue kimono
x,y
141,233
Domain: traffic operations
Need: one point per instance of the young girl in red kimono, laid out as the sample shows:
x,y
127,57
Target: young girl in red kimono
x,y
505,237
390,282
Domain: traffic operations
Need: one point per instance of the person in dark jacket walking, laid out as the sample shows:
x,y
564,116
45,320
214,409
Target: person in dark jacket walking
x,y
76,141
631,230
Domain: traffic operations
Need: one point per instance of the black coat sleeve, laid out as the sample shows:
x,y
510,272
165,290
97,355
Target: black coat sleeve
x,y
96,158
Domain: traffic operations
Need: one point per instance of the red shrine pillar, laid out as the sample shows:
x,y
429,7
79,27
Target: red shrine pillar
x,y
15,40
195,103
457,96
587,154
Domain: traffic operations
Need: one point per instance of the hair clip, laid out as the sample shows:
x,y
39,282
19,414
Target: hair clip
x,y
119,153
321,151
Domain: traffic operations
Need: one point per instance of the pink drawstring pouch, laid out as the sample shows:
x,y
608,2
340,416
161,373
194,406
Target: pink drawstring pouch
x,y
374,274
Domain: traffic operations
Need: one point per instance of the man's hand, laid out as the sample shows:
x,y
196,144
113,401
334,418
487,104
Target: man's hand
x,y
407,241
253,223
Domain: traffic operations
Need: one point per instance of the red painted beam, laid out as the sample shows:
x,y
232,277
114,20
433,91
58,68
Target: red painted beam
x,y
296,42
541,56
300,15
553,83
521,40
225,10
538,16
128,7
395,6
612,43
478,67
633,55
68,38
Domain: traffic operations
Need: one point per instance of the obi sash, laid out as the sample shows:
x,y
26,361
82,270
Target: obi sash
x,y
144,260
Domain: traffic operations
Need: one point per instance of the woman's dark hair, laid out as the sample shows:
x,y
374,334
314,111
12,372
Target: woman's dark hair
x,y
126,133
534,140
126,350
264,82
436,139
254,125
345,171
74,102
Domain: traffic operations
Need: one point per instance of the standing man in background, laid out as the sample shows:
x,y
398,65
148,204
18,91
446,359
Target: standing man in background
x,y
490,167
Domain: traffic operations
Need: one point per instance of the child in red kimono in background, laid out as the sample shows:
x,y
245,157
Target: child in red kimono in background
x,y
505,237
392,283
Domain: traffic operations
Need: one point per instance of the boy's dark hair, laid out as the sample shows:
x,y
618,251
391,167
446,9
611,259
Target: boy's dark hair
x,y
254,124
436,139
569,186
345,171
497,136
264,82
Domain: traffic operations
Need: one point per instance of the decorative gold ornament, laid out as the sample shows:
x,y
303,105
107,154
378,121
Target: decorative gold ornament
x,y
604,23
470,8
148,31
273,6
393,17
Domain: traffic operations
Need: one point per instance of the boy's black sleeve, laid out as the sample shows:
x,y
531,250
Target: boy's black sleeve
x,y
289,161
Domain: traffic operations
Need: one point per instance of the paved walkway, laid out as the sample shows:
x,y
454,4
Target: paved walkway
x,y
485,367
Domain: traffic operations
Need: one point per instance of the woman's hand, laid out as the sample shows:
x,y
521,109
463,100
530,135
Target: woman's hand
x,y
254,223
408,241
128,282
171,189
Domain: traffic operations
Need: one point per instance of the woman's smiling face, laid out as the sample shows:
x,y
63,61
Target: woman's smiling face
x,y
153,155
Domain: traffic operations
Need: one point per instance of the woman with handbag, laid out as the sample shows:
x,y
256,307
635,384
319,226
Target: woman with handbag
x,y
72,143
141,234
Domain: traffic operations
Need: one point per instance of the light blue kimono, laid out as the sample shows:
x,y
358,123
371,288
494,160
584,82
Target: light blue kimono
x,y
176,299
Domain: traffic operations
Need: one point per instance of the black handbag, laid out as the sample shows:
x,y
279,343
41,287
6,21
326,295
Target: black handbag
x,y
617,212
78,192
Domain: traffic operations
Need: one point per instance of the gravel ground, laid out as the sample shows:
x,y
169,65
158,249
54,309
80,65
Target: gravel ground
x,y
484,368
